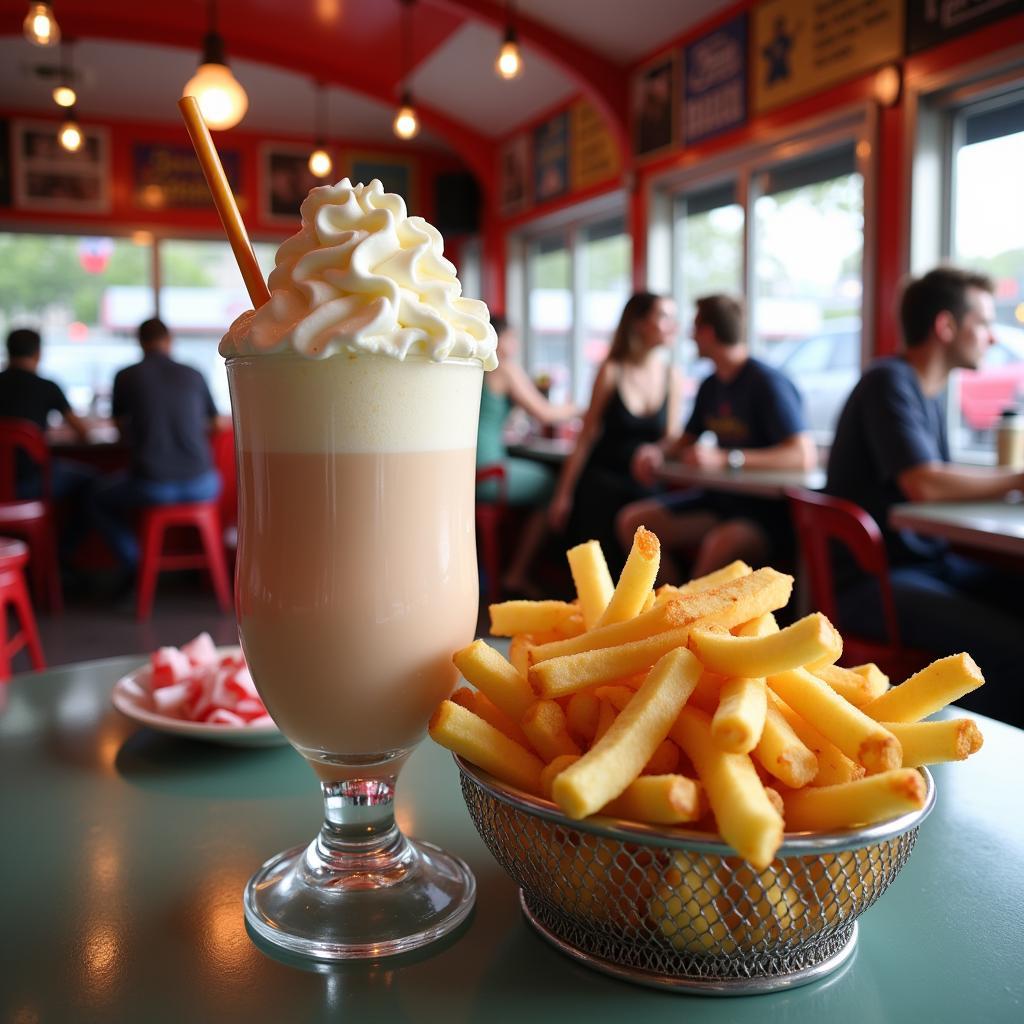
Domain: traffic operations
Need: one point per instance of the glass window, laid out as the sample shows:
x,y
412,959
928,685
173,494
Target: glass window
x,y
65,286
201,293
807,259
549,328
605,253
987,233
709,245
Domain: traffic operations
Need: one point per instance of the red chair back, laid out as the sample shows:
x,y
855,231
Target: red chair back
x,y
21,435
818,519
222,443
489,518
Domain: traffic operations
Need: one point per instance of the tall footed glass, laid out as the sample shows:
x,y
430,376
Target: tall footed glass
x,y
356,581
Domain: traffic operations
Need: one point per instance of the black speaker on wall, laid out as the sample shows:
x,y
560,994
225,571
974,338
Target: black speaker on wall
x,y
457,203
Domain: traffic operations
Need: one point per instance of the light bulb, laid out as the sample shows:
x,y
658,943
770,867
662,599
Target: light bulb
x,y
320,163
70,136
406,124
509,64
221,98
40,26
65,96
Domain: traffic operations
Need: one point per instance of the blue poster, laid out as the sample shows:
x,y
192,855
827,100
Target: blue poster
x,y
551,158
715,82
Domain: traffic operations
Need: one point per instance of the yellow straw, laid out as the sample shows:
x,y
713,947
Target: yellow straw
x,y
213,170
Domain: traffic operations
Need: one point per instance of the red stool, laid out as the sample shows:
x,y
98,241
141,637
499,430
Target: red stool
x,y
14,594
156,519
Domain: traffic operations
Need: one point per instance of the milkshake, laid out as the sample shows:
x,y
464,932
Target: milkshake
x,y
355,395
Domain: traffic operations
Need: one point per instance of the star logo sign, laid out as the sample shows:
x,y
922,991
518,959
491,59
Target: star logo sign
x,y
776,54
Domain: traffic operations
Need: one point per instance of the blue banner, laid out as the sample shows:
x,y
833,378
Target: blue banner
x,y
715,82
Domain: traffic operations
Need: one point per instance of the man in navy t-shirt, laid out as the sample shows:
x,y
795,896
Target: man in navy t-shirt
x,y
890,446
756,415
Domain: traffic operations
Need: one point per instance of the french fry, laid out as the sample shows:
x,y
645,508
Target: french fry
x,y
806,641
953,739
732,571
727,605
857,736
594,586
686,907
738,721
616,759
657,620
782,753
830,656
707,692
864,802
474,739
665,799
664,760
859,688
483,707
929,690
636,580
648,602
552,770
488,671
743,812
606,715
519,653
511,617
581,715
618,696
833,765
878,679
544,725
763,625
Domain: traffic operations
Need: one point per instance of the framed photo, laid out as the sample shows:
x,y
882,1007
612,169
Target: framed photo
x,y
654,106
551,158
48,177
395,173
285,180
514,175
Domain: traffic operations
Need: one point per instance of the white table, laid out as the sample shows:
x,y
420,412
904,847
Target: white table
x,y
761,483
994,526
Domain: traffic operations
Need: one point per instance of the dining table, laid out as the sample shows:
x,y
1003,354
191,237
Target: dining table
x,y
126,850
996,527
755,483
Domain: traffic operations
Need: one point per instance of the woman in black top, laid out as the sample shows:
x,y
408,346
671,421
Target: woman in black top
x,y
636,400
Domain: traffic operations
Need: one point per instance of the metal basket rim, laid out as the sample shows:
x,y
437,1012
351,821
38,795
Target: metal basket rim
x,y
794,844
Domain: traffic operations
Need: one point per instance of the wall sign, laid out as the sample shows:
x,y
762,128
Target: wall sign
x,y
514,175
594,155
551,158
47,177
715,82
930,22
654,105
166,176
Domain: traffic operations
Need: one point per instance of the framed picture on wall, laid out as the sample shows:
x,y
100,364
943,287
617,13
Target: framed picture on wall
x,y
47,177
395,174
653,105
285,180
514,175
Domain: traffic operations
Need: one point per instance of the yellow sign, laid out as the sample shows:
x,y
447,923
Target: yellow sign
x,y
802,46
594,153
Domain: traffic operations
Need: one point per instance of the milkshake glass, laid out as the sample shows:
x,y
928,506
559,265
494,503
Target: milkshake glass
x,y
355,396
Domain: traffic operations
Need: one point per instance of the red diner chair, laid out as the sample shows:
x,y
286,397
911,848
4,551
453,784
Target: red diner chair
x,y
33,520
820,519
14,597
490,520
222,445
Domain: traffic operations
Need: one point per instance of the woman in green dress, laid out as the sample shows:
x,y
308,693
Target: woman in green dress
x,y
528,484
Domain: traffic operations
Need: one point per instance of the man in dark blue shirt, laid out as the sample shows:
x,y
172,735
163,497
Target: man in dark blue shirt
x,y
890,446
756,415
164,411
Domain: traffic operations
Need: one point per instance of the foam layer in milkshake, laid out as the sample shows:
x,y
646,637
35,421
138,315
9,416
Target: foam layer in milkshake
x,y
362,276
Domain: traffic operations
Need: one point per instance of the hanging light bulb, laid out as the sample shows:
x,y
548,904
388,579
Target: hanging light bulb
x,y
320,162
63,94
221,98
509,64
70,135
406,124
40,26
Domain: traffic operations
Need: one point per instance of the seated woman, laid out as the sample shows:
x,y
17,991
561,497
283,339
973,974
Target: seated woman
x,y
528,483
636,401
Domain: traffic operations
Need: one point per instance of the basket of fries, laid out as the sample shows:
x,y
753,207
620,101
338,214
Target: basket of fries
x,y
688,793
677,909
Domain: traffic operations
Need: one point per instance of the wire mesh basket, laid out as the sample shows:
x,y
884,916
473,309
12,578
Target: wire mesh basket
x,y
678,909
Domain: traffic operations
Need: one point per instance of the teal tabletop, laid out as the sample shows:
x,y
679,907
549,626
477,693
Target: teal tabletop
x,y
125,852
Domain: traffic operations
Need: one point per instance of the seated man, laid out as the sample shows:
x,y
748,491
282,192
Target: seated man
x,y
164,411
890,446
756,415
24,395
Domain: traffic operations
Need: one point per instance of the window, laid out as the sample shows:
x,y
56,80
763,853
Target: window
x,y
605,254
986,220
709,238
549,317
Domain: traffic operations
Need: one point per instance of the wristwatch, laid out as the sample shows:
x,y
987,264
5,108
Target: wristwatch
x,y
735,459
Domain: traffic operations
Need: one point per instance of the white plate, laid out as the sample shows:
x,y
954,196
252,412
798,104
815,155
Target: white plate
x,y
126,701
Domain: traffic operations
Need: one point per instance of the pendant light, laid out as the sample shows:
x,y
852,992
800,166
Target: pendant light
x,y
221,98
70,135
320,162
64,94
406,124
40,26
509,64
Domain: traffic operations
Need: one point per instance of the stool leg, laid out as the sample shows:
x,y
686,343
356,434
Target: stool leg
x,y
23,607
209,533
149,565
5,655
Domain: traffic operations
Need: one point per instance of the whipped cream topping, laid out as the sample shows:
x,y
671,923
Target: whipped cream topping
x,y
361,275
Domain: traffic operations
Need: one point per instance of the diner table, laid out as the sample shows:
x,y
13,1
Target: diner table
x,y
552,451
126,850
993,526
758,483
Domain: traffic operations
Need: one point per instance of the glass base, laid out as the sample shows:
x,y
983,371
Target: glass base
x,y
301,902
